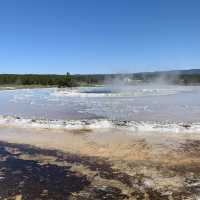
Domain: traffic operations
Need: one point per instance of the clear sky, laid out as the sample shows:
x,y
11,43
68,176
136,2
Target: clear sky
x,y
98,36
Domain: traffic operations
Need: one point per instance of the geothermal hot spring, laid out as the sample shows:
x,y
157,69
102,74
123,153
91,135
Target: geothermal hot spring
x,y
139,140
142,107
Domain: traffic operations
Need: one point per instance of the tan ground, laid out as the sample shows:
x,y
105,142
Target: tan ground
x,y
166,161
115,144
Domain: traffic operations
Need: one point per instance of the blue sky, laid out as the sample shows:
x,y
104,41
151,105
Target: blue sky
x,y
98,36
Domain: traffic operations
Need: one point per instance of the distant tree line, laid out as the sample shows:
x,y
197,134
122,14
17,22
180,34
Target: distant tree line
x,y
30,79
50,80
191,79
94,79
168,77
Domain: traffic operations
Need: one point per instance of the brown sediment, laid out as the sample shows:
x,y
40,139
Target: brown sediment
x,y
111,165
87,177
18,197
35,179
87,142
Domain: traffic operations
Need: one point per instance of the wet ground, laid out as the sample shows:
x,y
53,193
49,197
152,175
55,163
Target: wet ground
x,y
38,163
31,173
24,176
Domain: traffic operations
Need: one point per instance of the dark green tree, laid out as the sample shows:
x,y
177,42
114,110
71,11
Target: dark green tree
x,y
68,81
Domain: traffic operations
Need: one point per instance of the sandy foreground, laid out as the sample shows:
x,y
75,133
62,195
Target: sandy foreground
x,y
98,164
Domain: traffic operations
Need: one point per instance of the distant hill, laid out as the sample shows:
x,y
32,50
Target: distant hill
x,y
189,71
174,72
